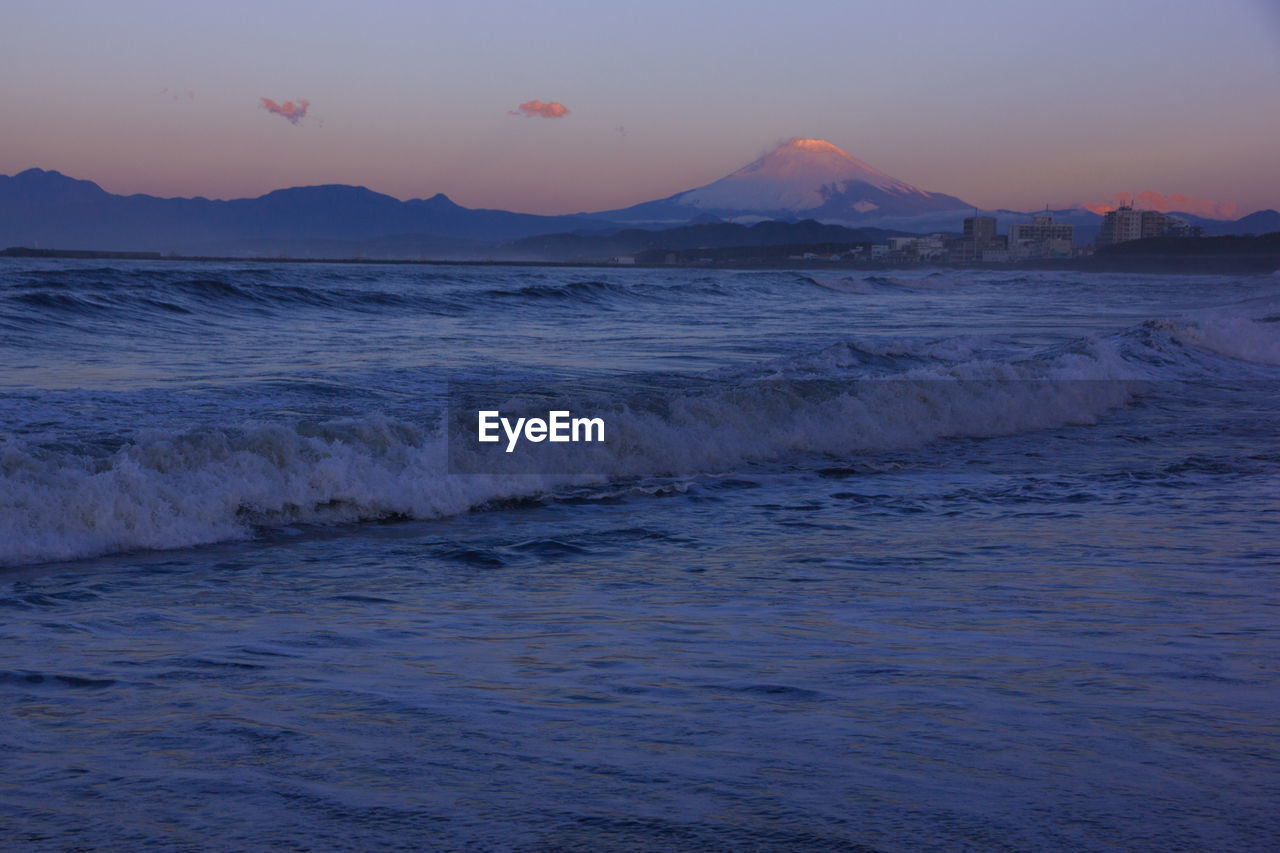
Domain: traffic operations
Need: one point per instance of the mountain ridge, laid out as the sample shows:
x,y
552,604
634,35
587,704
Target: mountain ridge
x,y
803,179
44,207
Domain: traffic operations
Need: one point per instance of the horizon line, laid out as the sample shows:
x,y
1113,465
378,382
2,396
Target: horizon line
x,y
1081,207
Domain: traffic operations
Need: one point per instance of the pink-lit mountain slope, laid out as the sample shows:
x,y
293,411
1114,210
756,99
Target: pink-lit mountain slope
x,y
801,179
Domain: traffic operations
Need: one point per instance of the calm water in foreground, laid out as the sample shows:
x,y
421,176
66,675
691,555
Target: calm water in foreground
x,y
927,560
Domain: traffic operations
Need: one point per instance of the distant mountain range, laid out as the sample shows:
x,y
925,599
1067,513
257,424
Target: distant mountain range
x,y
803,179
51,210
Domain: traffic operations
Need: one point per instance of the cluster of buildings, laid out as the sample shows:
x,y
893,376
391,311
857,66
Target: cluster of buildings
x,y
1124,224
1037,239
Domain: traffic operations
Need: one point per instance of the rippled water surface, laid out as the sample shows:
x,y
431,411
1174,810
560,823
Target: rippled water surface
x,y
929,560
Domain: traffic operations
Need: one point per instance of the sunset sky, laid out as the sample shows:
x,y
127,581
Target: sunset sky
x,y
558,107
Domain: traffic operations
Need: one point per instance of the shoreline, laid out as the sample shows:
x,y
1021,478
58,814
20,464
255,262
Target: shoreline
x,y
1171,264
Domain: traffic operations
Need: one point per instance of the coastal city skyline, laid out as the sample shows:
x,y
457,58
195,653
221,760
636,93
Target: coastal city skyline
x,y
572,109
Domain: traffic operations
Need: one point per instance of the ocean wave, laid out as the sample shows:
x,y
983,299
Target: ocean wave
x,y
1248,331
844,402
865,285
574,291
161,491
141,297
40,299
218,484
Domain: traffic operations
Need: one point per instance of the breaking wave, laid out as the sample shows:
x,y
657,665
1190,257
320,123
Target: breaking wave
x,y
843,401
1248,331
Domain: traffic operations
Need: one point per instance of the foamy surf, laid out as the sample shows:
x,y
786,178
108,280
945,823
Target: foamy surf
x,y
214,484
1247,332
144,477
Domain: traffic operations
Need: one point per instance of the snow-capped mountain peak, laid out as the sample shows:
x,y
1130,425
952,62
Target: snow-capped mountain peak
x,y
799,175
803,179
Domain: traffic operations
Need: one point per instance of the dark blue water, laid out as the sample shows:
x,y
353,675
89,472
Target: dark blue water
x,y
948,560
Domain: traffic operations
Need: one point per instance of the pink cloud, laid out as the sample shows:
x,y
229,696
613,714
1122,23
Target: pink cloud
x,y
529,109
1175,203
291,111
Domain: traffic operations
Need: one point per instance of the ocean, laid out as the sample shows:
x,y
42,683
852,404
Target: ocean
x,y
915,560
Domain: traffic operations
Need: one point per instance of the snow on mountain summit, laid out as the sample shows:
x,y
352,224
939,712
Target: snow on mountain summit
x,y
803,179
801,174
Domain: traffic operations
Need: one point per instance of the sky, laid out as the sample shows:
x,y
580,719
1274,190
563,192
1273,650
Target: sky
x,y
558,107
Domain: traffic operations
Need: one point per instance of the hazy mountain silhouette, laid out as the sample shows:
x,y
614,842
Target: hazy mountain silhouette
x,y
51,210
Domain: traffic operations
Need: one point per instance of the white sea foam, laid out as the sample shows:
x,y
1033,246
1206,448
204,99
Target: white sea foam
x,y
853,398
214,485
167,491
1248,331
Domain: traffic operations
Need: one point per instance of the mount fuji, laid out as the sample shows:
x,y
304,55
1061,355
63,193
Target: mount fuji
x,y
800,179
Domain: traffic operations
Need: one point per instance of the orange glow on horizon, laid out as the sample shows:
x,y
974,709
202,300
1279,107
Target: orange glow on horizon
x,y
1173,203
